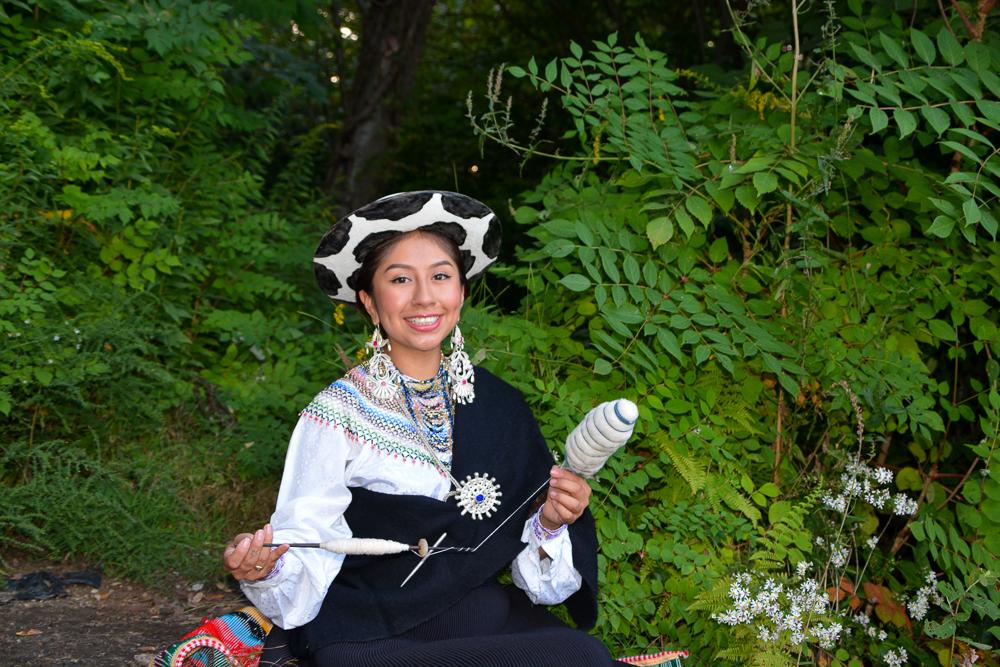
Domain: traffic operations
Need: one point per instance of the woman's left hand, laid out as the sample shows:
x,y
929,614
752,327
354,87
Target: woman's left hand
x,y
568,497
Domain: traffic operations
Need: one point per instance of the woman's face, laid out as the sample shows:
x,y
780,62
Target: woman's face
x,y
417,297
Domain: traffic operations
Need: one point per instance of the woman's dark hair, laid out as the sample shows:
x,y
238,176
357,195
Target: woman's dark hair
x,y
366,273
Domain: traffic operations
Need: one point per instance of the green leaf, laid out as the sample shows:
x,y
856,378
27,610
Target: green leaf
x,y
778,511
977,55
770,489
701,353
906,121
684,221
533,66
909,479
602,367
989,109
44,376
558,248
936,118
551,70
584,233
990,224
718,251
659,231
949,47
575,282
631,268
747,197
963,149
764,182
575,49
668,341
972,214
923,46
893,48
525,215
755,164
724,197
650,273
565,78
610,265
992,81
879,119
699,208
942,330
866,56
942,226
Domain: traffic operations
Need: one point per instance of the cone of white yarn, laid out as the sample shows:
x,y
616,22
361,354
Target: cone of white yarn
x,y
605,428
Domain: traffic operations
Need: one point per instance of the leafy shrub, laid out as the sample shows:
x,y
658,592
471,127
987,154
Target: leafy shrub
x,y
800,292
149,292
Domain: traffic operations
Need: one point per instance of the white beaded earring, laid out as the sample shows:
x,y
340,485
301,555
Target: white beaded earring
x,y
461,375
383,378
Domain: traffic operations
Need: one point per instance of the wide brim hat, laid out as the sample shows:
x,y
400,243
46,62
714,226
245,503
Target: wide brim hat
x,y
471,224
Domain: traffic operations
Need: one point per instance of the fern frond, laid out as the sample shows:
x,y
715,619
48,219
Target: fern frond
x,y
687,467
721,489
713,600
772,658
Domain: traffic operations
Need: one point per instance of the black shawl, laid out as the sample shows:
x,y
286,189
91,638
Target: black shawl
x,y
496,435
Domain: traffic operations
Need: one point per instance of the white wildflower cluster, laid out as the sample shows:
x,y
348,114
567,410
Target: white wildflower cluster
x,y
836,503
778,612
827,635
838,556
895,658
920,603
872,542
904,505
870,630
862,482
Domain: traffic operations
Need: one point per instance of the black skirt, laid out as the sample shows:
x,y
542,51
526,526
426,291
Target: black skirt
x,y
492,626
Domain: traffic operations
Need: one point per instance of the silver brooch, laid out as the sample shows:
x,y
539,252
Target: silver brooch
x,y
479,496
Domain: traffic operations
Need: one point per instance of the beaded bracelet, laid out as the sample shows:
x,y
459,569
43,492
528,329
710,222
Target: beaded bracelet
x,y
542,533
274,570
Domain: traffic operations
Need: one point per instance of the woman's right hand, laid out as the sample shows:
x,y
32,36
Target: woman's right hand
x,y
246,557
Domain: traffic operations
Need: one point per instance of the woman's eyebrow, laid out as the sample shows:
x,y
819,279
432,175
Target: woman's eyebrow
x,y
443,262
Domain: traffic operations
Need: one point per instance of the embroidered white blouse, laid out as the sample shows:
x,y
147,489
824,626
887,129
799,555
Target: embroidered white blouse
x,y
323,463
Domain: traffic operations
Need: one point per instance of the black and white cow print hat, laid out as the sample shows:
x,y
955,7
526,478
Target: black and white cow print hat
x,y
468,222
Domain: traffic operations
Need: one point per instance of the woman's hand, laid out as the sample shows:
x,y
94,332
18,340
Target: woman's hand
x,y
246,557
569,495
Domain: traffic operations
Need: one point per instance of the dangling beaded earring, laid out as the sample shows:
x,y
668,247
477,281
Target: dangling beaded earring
x,y
383,378
460,372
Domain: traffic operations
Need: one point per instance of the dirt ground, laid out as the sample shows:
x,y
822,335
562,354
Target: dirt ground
x,y
119,624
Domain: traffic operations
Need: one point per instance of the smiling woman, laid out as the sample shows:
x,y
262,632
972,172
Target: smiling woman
x,y
380,454
416,295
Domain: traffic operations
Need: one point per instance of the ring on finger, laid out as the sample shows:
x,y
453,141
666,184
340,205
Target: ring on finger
x,y
258,567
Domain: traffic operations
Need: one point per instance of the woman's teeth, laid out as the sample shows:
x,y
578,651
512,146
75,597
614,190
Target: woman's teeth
x,y
423,321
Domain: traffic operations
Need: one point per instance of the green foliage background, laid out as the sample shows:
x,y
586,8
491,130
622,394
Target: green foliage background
x,y
746,255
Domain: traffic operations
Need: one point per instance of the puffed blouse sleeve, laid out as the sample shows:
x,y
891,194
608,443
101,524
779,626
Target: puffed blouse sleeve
x,y
310,508
548,580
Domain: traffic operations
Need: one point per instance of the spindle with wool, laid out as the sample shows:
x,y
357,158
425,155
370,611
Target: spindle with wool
x,y
603,430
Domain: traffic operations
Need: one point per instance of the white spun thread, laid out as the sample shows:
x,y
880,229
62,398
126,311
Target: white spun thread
x,y
364,546
605,428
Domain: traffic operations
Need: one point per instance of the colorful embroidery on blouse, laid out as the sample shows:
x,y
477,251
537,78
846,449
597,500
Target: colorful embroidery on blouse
x,y
382,424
